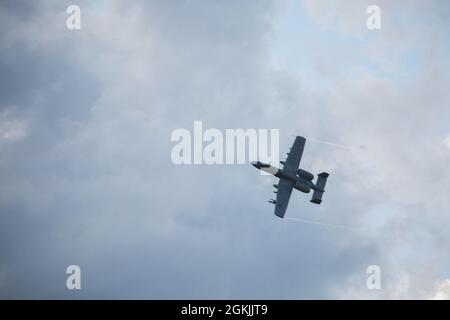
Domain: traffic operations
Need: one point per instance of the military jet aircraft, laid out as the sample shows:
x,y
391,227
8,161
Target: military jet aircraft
x,y
292,177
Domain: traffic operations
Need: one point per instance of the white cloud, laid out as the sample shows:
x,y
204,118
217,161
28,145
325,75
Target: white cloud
x,y
442,290
447,141
12,129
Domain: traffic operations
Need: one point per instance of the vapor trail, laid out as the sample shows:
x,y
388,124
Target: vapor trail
x,y
330,143
323,224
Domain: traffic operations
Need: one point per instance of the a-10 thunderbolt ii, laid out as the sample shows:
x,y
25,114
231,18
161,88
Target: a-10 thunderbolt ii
x,y
292,177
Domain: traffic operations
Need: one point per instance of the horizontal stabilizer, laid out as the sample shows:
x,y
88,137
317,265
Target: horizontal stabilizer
x,y
320,185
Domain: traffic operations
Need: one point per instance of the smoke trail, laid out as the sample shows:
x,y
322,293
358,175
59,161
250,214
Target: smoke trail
x,y
323,224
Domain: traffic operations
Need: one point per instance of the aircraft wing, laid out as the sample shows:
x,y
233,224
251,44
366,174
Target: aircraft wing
x,y
295,155
283,194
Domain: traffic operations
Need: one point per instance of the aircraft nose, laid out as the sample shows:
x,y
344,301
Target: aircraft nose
x,y
254,163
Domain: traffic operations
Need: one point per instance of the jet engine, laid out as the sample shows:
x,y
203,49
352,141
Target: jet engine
x,y
305,175
301,187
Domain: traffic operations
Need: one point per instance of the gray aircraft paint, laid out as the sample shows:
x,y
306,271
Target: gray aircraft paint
x,y
292,177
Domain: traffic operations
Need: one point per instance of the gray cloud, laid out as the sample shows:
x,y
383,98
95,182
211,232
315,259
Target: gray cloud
x,y
92,183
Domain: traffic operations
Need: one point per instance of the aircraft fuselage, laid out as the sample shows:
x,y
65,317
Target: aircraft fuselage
x,y
300,179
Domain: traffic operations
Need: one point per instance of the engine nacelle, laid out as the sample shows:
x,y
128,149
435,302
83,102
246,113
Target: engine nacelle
x,y
301,187
305,175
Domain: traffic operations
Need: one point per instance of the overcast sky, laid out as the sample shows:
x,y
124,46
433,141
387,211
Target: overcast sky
x,y
86,176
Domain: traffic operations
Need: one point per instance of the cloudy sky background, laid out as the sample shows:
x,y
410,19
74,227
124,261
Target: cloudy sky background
x,y
86,176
